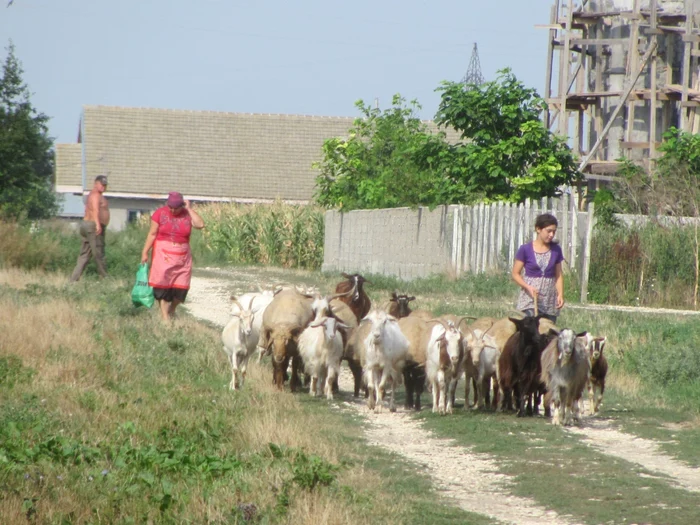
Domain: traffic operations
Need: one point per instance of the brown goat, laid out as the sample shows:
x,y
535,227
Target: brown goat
x,y
398,305
417,330
599,369
358,301
283,321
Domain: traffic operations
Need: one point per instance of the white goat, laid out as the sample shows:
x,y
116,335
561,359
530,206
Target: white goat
x,y
256,302
240,336
321,348
445,358
383,351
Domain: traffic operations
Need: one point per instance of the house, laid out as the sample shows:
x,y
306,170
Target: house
x,y
207,156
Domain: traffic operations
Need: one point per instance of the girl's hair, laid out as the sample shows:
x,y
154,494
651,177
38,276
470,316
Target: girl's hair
x,y
544,220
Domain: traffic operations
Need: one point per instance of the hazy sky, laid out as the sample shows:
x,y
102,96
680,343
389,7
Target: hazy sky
x,y
307,57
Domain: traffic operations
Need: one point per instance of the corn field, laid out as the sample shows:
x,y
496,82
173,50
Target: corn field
x,y
270,234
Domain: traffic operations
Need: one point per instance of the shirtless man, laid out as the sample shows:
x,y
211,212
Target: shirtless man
x,y
92,230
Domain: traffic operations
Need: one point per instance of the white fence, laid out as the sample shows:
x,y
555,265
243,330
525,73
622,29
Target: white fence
x,y
486,237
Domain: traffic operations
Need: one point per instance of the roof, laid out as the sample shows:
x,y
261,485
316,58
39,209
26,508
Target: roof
x,y
229,155
242,156
68,165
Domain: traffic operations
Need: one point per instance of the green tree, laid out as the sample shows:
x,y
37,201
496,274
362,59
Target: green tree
x,y
389,158
26,157
508,154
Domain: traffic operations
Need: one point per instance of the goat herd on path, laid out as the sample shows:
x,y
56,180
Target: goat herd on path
x,y
520,360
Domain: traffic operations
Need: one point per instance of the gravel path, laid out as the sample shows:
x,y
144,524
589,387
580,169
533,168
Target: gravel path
x,y
470,480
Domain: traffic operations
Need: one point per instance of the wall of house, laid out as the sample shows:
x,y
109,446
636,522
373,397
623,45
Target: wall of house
x,y
122,211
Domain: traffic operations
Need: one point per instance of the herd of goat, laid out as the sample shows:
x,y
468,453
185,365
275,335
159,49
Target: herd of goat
x,y
522,361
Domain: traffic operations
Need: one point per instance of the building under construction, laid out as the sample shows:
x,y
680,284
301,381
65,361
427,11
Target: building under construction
x,y
620,73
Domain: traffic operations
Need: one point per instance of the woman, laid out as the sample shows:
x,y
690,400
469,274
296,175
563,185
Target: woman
x,y
543,283
171,265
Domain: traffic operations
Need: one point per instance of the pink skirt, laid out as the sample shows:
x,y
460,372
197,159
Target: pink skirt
x,y
171,266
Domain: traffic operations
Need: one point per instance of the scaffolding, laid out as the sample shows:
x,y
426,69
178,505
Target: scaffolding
x,y
627,71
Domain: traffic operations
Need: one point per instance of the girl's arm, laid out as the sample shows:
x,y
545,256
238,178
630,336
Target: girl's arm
x,y
559,283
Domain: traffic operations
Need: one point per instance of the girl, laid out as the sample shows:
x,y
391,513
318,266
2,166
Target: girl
x,y
542,285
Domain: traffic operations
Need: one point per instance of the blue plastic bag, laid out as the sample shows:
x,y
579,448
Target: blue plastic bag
x,y
141,293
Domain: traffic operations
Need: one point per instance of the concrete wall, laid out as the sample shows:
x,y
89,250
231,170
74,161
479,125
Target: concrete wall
x,y
400,242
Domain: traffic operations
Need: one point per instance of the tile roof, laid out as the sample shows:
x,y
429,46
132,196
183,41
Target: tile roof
x,y
68,162
212,154
230,155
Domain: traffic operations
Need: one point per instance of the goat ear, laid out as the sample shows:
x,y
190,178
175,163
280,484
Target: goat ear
x,y
412,298
346,275
582,334
316,324
516,322
553,331
394,296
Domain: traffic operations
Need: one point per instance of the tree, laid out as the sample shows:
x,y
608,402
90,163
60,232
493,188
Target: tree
x,y
388,159
391,159
508,153
26,157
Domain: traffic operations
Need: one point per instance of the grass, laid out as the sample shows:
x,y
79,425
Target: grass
x,y
107,416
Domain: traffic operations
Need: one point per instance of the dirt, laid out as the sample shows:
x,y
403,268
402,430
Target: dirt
x,y
469,480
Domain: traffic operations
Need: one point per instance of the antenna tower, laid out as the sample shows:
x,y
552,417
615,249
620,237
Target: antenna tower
x,y
474,75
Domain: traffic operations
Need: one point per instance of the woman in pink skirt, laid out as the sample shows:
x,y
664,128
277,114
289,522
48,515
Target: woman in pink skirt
x,y
171,264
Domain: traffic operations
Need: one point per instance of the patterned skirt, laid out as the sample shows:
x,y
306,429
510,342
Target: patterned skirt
x,y
546,299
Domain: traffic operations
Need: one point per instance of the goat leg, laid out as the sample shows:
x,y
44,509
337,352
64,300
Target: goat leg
x,y
408,382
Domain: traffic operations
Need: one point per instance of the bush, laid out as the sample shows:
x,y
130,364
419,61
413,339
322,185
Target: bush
x,y
642,265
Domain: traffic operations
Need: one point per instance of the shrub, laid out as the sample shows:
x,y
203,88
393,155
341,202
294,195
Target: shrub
x,y
642,265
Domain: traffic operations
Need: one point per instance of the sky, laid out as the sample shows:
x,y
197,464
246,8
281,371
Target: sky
x,y
308,57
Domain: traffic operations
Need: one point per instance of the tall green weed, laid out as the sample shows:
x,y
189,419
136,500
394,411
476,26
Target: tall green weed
x,y
650,265
277,234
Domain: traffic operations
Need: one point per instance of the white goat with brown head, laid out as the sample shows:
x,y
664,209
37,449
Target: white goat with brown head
x,y
484,353
445,359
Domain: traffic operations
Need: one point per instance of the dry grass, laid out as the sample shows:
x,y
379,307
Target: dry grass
x,y
625,383
19,279
54,338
